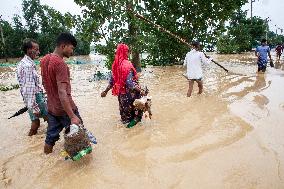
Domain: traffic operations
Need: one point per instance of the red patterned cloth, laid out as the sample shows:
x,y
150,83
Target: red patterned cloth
x,y
121,67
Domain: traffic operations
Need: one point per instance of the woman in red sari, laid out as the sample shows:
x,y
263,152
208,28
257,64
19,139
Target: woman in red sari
x,y
124,84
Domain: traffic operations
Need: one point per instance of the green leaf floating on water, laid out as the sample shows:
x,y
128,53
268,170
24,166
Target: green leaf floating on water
x,y
9,87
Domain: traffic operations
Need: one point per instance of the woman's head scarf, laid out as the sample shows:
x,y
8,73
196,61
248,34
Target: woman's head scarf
x,y
121,67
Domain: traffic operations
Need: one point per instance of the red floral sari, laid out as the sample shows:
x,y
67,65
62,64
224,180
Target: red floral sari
x,y
122,68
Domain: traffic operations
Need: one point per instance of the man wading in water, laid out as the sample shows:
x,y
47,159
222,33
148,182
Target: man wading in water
x,y
193,61
261,52
279,50
30,88
62,111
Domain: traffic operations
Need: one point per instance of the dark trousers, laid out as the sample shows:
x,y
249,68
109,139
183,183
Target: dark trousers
x,y
261,65
126,107
56,124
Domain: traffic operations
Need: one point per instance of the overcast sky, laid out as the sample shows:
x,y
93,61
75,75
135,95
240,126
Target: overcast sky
x,y
274,9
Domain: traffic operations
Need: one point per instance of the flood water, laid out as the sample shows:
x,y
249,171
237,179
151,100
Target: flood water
x,y
232,136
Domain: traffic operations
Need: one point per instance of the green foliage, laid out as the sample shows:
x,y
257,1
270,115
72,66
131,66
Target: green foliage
x,y
9,87
12,35
242,34
200,19
109,51
258,30
83,47
274,39
43,24
226,45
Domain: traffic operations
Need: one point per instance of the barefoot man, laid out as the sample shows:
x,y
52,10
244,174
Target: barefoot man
x,y
193,61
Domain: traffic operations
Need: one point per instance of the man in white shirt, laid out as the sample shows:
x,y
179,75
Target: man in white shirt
x,y
193,61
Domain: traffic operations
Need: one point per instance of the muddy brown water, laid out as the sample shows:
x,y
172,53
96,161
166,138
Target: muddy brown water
x,y
232,136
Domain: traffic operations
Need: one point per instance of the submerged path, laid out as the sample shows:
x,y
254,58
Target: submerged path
x,y
232,136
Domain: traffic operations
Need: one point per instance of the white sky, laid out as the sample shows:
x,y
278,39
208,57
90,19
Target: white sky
x,y
274,9
269,8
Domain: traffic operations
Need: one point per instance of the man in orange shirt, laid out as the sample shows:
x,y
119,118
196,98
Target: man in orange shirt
x,y
62,111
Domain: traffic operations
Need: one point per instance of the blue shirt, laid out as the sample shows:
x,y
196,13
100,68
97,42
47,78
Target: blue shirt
x,y
263,52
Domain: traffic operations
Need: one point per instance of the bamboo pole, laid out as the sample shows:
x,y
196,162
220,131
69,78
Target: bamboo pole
x,y
159,27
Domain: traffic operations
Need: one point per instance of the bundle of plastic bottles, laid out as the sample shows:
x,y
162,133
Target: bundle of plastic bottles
x,y
78,142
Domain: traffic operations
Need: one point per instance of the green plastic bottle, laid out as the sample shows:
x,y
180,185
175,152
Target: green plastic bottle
x,y
132,123
82,153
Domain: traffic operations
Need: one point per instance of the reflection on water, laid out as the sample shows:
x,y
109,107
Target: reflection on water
x,y
248,84
228,137
279,65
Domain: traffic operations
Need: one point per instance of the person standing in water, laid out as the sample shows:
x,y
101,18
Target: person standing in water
x,y
279,50
261,52
193,61
62,111
30,87
124,84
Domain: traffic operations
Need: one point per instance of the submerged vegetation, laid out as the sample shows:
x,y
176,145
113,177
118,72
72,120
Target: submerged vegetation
x,y
8,87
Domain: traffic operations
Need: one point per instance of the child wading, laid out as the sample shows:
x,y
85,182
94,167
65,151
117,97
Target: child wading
x,y
193,61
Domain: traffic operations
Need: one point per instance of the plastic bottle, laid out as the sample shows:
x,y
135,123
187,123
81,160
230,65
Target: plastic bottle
x,y
91,136
82,153
73,130
132,123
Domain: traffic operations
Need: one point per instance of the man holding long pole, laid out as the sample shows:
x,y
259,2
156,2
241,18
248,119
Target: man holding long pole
x,y
193,61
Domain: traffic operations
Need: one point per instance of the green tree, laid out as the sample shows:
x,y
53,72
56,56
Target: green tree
x,y
43,24
13,36
258,30
114,22
226,45
242,33
3,52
